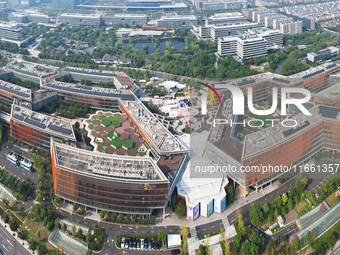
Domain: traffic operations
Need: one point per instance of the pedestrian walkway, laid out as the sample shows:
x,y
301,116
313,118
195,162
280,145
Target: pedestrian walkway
x,y
225,222
193,232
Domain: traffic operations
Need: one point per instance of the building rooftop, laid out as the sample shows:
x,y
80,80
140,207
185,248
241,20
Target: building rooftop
x,y
176,17
48,124
105,166
155,131
265,139
89,91
16,90
9,25
331,92
77,15
314,71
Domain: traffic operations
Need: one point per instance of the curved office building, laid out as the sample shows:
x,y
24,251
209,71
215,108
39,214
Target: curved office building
x,y
124,184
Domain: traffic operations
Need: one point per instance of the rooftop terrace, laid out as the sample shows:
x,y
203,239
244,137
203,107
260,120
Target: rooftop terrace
x,y
109,167
152,127
48,124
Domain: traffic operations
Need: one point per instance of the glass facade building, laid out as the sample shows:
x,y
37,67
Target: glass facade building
x,y
123,184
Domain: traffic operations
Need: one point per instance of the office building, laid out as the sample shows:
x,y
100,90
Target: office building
x,y
123,184
36,129
64,4
17,17
250,44
225,18
324,54
177,21
38,18
126,19
75,19
229,30
10,31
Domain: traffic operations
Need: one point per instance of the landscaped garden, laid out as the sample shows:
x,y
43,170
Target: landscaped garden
x,y
113,133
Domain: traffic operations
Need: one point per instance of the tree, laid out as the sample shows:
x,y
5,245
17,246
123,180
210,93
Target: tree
x,y
161,236
73,230
38,235
22,209
225,242
210,249
309,238
245,248
75,207
313,235
185,234
118,238
290,204
180,209
102,214
80,233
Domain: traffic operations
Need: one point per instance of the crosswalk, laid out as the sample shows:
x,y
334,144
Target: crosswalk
x,y
193,232
225,222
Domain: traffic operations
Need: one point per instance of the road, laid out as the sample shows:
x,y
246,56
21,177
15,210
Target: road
x,y
19,172
9,245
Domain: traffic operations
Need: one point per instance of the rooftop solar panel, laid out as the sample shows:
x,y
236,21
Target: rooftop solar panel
x,y
23,71
60,129
84,87
36,119
292,130
330,66
312,74
19,117
92,73
281,80
245,82
91,92
13,91
35,123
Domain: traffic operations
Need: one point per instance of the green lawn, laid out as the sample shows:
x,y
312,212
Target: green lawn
x,y
127,143
116,123
106,122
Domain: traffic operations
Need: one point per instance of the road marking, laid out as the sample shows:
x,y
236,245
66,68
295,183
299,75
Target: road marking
x,y
5,248
212,226
9,242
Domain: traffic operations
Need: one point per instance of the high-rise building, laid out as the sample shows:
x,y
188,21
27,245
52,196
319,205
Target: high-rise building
x,y
64,4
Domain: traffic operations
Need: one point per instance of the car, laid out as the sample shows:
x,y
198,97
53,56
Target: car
x,y
122,242
176,252
138,244
130,243
150,244
157,244
146,244
134,243
126,245
1,252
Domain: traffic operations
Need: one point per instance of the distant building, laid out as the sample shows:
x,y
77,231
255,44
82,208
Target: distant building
x,y
74,19
128,19
64,4
323,54
10,31
218,5
233,29
251,44
109,59
38,18
225,18
177,21
17,17
138,33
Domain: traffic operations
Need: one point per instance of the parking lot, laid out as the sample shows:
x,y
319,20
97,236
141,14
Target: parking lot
x,y
142,244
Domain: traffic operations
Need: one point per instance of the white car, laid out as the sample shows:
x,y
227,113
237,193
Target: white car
x,y
142,243
122,243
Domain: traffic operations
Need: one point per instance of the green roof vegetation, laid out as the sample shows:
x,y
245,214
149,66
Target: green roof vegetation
x,y
127,143
116,123
91,126
106,122
111,133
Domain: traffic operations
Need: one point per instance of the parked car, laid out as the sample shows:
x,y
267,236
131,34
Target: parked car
x,y
146,244
134,243
176,252
122,244
130,243
142,243
150,244
138,243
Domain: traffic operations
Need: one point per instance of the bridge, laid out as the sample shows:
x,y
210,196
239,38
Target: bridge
x,y
5,116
